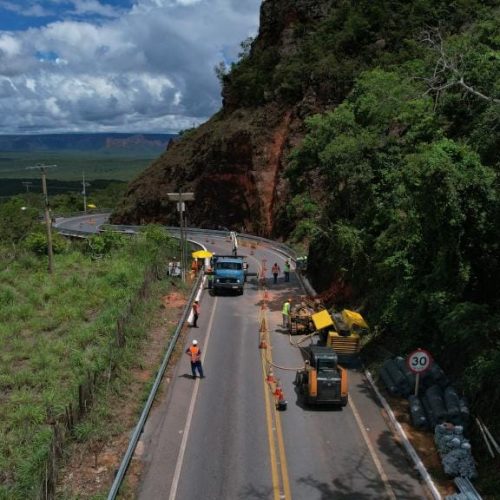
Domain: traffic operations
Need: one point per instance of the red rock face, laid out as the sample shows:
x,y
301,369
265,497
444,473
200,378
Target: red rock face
x,y
234,169
235,162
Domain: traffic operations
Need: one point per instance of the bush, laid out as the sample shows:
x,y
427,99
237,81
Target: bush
x,y
36,242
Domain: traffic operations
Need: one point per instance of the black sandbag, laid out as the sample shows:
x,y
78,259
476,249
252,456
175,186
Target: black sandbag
x,y
428,413
417,413
398,377
452,402
409,375
388,382
438,376
434,395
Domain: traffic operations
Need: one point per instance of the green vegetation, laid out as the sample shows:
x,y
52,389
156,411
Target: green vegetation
x,y
96,164
31,204
101,170
58,330
409,205
326,56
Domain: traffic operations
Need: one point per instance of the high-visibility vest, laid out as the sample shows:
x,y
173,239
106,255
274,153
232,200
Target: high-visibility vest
x,y
287,267
286,308
194,352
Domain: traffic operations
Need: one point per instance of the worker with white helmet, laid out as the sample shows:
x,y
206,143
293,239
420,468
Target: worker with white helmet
x,y
194,352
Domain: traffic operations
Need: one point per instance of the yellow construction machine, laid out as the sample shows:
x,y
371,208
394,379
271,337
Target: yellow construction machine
x,y
342,331
322,381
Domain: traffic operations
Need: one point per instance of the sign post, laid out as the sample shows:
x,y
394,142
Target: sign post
x,y
419,361
181,198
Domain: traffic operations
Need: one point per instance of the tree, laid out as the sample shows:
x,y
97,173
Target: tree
x,y
459,62
16,219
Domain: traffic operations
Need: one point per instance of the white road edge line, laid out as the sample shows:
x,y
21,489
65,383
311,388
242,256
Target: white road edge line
x,y
406,442
407,445
185,433
376,461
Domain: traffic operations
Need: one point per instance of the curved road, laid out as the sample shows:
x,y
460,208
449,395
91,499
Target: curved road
x,y
222,438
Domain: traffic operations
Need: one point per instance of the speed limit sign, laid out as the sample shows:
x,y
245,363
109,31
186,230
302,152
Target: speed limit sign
x,y
419,361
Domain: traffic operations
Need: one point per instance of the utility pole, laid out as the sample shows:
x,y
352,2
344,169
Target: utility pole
x,y
48,223
84,192
181,198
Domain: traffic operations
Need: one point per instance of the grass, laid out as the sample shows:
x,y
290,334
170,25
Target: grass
x,y
70,164
54,330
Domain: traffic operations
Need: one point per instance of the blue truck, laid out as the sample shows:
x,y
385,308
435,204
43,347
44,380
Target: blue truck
x,y
229,273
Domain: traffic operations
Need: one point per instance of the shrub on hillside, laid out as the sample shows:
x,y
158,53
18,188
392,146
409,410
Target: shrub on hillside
x,y
36,242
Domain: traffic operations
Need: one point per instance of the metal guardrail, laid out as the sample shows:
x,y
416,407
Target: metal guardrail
x,y
152,395
466,489
285,249
120,474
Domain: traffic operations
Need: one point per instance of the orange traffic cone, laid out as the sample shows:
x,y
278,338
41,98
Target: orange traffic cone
x,y
262,343
270,376
281,402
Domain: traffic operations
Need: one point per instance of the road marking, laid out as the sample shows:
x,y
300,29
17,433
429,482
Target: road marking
x,y
275,435
185,435
270,433
284,466
376,461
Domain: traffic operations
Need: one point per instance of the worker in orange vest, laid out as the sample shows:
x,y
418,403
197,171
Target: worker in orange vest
x,y
196,313
194,352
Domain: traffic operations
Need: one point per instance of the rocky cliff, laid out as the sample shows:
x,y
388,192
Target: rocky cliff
x,y
304,61
235,162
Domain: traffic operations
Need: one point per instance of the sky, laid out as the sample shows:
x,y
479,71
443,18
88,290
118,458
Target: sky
x,y
116,65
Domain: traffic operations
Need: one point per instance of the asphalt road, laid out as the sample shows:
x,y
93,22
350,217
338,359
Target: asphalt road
x,y
84,223
221,437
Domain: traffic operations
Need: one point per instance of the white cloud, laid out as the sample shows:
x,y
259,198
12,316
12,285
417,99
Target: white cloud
x,y
9,46
35,10
149,70
94,7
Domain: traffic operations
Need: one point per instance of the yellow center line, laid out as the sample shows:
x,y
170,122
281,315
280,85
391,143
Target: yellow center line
x,y
276,437
284,466
270,433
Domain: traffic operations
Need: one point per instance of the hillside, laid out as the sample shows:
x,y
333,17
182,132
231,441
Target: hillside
x,y
85,142
304,61
369,132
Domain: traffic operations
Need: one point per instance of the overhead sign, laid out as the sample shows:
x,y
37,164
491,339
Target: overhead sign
x,y
419,361
180,196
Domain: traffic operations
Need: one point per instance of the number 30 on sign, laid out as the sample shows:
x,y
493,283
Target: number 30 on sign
x,y
419,361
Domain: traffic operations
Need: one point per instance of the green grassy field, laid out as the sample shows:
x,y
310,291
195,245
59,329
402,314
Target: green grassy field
x,y
116,165
54,331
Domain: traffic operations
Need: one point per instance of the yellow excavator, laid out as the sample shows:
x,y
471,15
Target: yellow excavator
x,y
341,331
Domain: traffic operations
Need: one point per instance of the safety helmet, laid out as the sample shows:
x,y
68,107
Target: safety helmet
x,y
195,342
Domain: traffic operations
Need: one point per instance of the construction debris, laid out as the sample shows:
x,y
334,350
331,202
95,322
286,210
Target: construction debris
x,y
455,451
